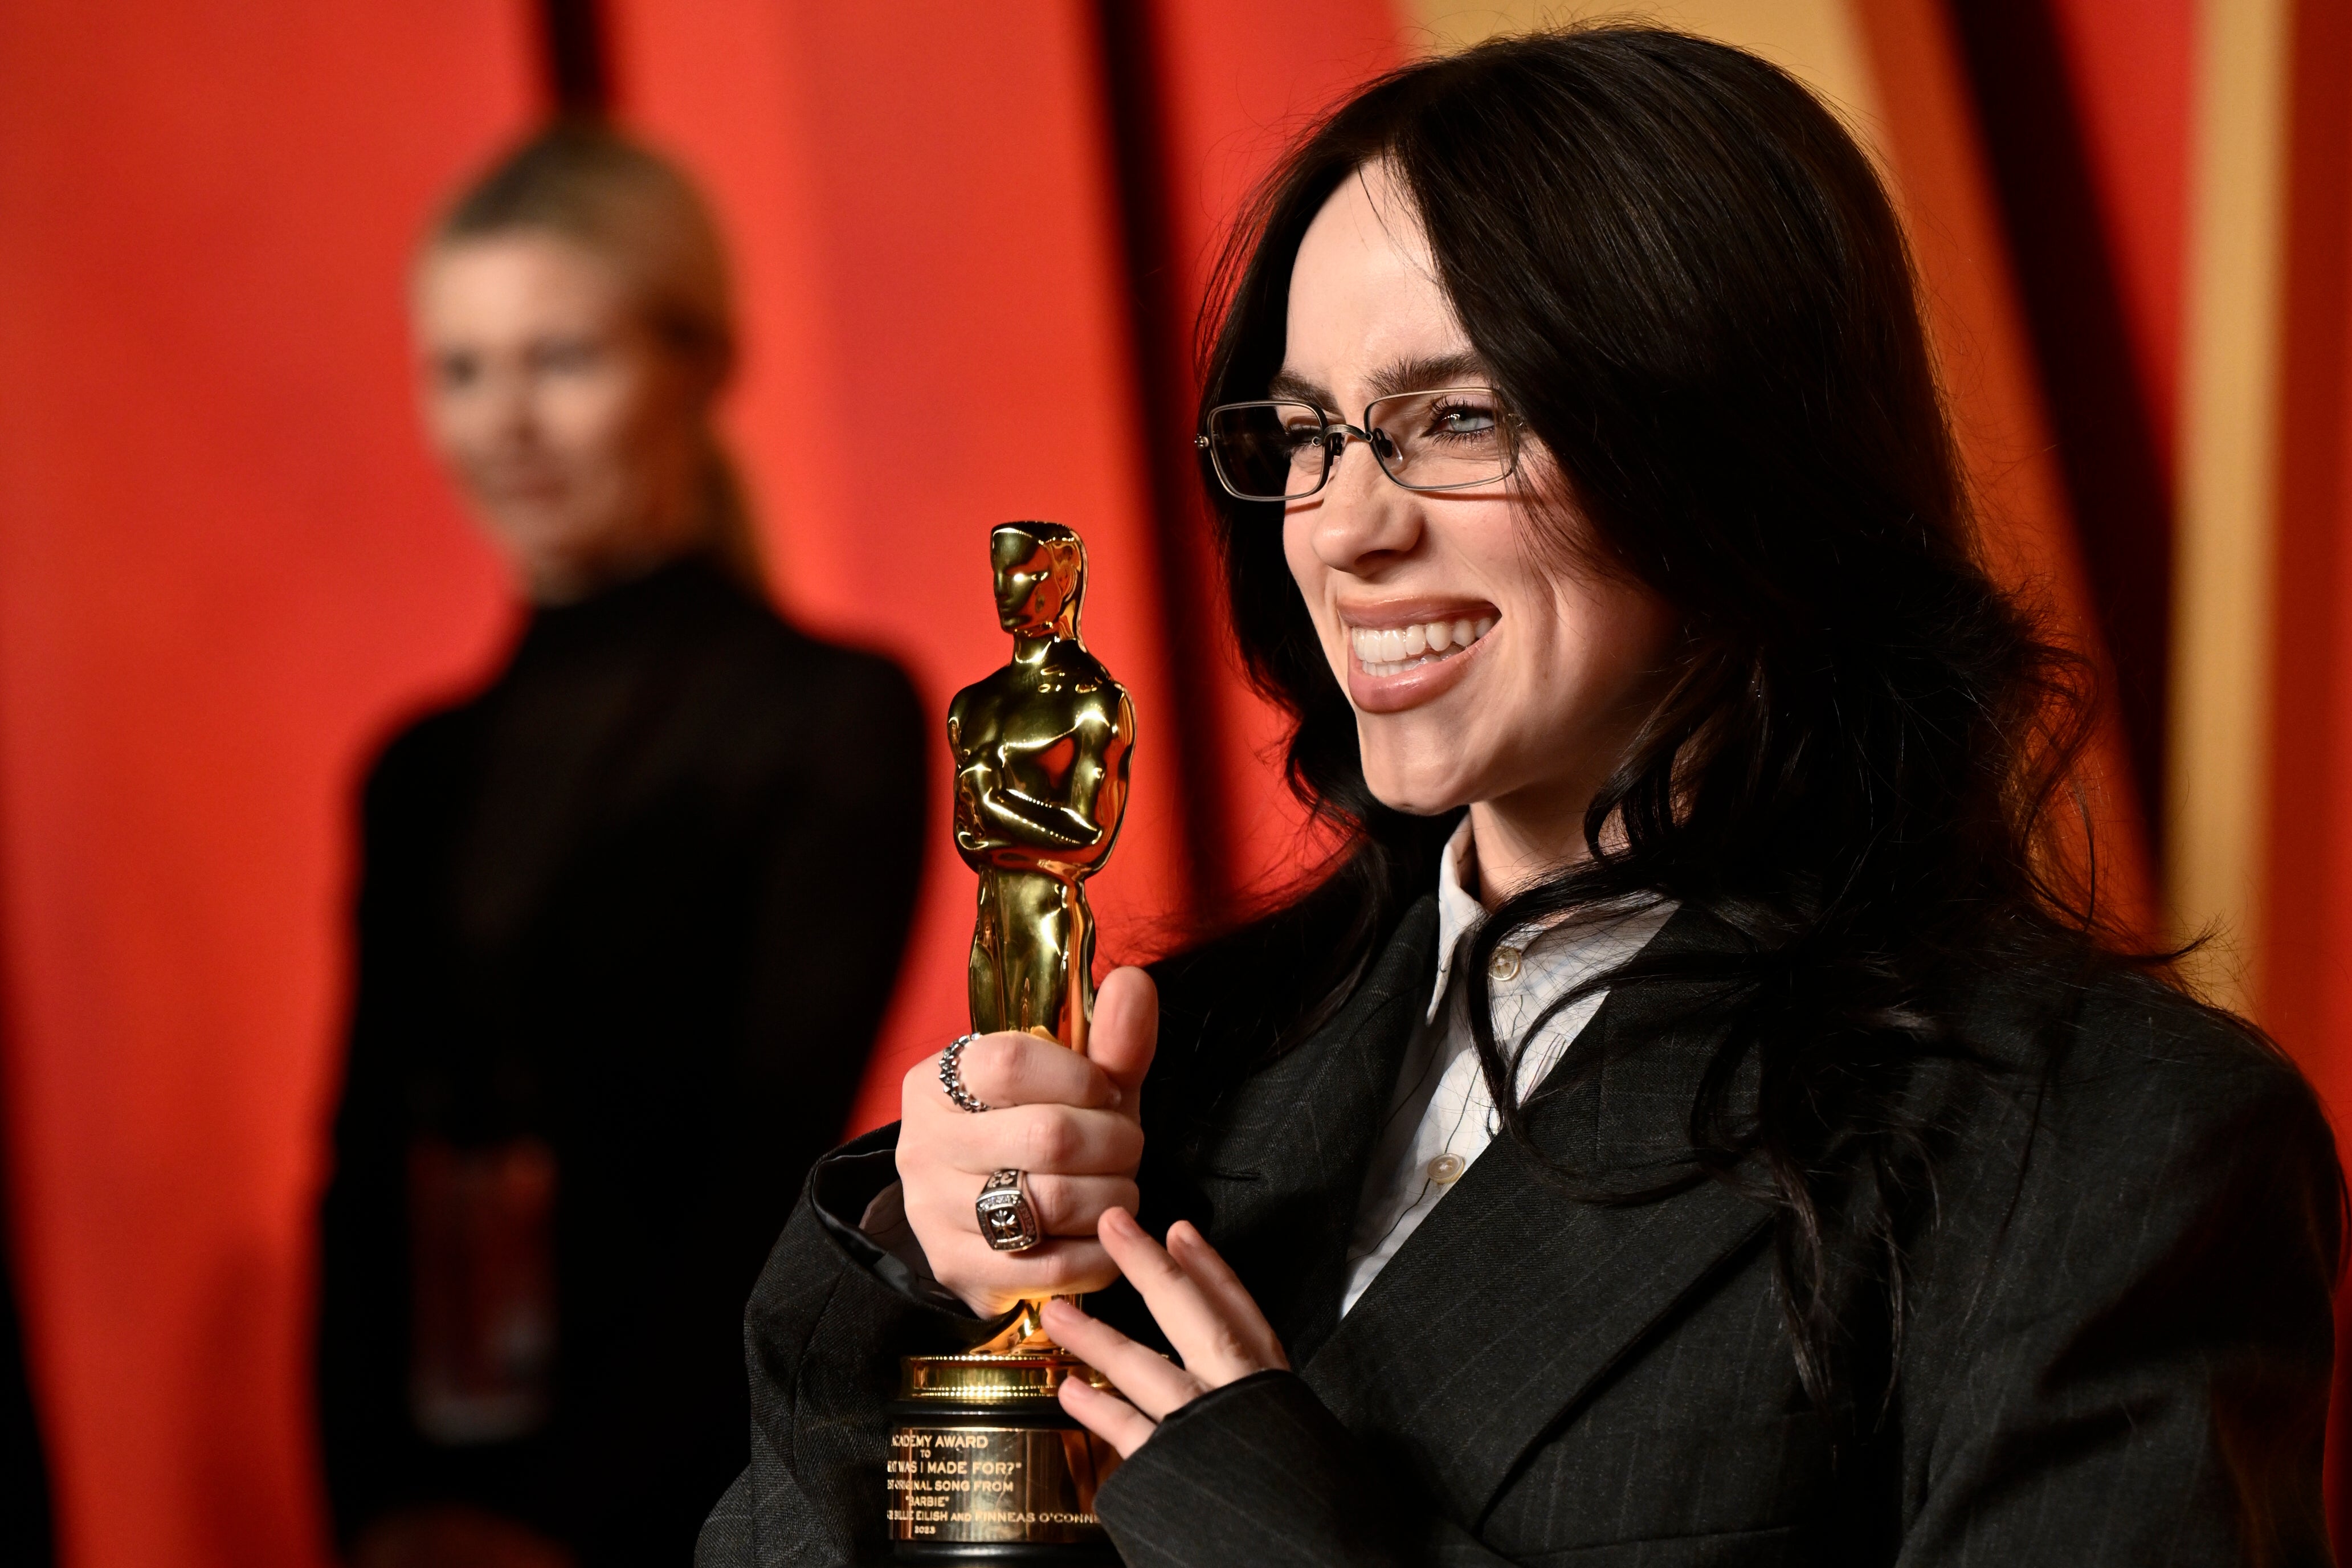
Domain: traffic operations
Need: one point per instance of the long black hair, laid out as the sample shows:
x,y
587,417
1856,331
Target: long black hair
x,y
1693,292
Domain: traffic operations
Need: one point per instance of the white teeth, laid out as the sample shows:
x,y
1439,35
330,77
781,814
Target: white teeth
x,y
1391,651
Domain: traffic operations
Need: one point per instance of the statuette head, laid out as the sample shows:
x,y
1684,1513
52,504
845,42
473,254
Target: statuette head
x,y
1040,576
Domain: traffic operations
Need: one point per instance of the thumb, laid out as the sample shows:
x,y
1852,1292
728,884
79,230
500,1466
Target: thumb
x,y
1125,1032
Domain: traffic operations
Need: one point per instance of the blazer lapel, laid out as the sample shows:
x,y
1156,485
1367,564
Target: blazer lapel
x,y
1279,1161
1517,1296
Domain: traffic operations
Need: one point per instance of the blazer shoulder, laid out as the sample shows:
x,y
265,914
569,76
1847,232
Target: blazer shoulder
x,y
2136,1037
2133,1235
2122,1084
420,759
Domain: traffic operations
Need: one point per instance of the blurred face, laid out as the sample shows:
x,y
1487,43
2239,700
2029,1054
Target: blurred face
x,y
574,429
1479,675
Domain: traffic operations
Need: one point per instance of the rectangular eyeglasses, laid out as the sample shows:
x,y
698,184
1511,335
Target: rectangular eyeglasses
x,y
1453,439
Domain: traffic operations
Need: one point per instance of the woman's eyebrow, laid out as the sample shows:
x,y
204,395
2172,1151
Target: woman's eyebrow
x,y
1286,386
1419,375
1402,375
1429,374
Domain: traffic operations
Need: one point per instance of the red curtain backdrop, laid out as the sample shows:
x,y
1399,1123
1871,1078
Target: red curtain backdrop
x,y
2130,70
225,562
2309,972
1944,186
2307,999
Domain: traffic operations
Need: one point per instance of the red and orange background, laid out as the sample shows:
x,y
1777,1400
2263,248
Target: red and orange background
x,y
971,240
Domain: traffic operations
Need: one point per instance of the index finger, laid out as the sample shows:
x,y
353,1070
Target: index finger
x,y
1213,1346
1005,1069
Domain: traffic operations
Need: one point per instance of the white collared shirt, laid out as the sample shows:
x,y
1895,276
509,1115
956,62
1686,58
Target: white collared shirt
x,y
1442,1117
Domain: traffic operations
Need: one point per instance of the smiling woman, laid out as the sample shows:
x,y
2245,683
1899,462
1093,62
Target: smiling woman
x,y
1705,1122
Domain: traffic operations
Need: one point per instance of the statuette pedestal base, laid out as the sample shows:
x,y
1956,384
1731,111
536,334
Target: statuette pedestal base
x,y
985,1468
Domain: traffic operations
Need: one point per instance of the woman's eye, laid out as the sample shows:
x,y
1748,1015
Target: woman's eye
x,y
1463,419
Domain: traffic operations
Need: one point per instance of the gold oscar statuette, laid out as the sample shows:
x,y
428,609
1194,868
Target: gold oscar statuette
x,y
984,1466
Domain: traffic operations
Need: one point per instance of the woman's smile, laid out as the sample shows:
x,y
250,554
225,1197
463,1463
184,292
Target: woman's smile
x,y
1403,654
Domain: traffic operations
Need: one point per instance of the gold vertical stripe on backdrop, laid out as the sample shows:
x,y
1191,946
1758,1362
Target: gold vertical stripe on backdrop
x,y
2217,772
1815,41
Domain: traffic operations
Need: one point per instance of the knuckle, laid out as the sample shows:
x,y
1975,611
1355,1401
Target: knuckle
x,y
924,1188
990,1057
1064,1207
1050,1143
919,1157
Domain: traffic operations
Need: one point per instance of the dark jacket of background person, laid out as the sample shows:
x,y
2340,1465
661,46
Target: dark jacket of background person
x,y
643,898
25,1535
2115,1348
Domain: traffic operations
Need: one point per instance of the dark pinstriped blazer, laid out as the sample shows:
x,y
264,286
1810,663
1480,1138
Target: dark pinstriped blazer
x,y
2116,1352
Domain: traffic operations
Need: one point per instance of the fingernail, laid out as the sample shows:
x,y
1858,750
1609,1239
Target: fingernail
x,y
1121,1221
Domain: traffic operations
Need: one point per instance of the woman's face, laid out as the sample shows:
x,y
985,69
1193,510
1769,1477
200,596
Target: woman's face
x,y
572,428
1562,663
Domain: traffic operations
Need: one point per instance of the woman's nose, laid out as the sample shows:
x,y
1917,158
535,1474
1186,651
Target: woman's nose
x,y
512,399
1362,514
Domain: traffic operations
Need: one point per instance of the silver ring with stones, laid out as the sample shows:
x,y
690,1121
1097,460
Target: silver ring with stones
x,y
1007,1218
951,1080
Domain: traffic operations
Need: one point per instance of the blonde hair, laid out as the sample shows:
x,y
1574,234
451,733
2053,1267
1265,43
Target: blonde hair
x,y
640,214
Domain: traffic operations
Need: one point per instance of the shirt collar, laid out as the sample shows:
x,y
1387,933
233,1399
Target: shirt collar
x,y
1604,944
1458,913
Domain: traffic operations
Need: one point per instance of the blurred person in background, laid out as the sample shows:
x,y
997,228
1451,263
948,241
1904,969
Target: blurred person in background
x,y
26,1538
628,918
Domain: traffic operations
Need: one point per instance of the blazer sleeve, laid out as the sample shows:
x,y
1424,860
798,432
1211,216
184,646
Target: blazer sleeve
x,y
2124,1355
1261,1472
822,1339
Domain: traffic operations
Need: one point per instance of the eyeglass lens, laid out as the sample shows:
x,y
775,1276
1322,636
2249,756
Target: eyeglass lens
x,y
1282,450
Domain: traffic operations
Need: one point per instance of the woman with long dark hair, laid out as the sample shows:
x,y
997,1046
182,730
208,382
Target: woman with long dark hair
x,y
1705,1118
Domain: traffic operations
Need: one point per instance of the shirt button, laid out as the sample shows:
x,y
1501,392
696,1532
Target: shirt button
x,y
1446,1169
1504,965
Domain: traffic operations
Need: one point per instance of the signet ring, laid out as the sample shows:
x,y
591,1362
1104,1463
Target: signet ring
x,y
1007,1218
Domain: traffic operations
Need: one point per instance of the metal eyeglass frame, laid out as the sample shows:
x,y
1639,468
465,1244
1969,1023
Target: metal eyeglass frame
x,y
1336,434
